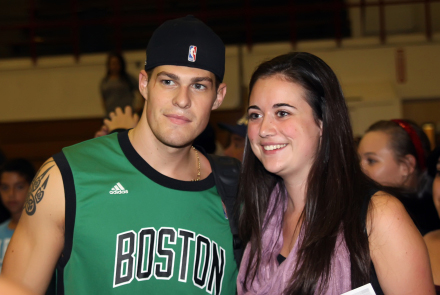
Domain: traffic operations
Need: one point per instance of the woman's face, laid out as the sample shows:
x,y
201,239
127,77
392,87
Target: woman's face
x,y
378,160
436,188
114,65
282,131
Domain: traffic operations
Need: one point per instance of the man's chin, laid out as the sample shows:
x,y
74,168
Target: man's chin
x,y
178,144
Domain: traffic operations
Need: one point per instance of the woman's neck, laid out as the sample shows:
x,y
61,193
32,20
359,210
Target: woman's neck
x,y
296,196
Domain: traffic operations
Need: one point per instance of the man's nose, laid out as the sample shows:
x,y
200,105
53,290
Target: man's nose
x,y
182,98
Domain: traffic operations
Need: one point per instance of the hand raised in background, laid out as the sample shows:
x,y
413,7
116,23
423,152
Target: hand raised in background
x,y
119,120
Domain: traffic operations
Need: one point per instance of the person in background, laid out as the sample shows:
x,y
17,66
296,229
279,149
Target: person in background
x,y
314,223
237,138
117,88
15,178
4,214
119,120
394,154
432,239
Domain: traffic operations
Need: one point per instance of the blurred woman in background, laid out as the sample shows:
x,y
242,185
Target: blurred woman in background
x,y
394,154
118,88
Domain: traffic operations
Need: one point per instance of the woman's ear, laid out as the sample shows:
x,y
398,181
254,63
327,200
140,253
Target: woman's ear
x,y
320,128
408,165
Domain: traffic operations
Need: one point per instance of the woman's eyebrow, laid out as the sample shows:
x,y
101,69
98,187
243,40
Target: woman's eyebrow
x,y
253,107
278,105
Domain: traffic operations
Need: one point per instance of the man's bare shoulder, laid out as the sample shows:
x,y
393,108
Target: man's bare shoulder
x,y
46,194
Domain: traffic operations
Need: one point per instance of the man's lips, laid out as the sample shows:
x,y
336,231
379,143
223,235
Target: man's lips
x,y
178,119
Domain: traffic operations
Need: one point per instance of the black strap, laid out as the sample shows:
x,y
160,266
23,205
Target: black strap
x,y
226,173
373,276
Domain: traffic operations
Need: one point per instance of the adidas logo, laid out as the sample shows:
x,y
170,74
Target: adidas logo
x,y
118,189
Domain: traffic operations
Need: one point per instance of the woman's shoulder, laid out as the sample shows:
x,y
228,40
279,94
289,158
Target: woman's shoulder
x,y
385,205
387,217
395,244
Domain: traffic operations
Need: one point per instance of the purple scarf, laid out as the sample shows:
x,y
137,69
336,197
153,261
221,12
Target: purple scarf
x,y
272,278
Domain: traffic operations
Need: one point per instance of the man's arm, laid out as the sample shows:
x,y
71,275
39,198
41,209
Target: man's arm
x,y
39,237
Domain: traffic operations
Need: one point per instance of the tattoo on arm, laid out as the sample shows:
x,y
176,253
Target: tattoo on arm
x,y
36,191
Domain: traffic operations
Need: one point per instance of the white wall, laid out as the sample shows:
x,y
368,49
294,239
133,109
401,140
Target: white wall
x,y
60,88
399,19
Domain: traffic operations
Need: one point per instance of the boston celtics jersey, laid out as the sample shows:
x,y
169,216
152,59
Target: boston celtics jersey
x,y
131,230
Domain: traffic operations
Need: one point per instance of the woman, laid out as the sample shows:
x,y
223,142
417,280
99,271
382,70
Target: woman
x,y
117,87
394,153
304,197
432,239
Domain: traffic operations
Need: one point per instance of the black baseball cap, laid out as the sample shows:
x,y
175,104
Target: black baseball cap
x,y
240,128
188,42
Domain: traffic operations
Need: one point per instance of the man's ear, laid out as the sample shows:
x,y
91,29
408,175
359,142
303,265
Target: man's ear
x,y
221,92
143,83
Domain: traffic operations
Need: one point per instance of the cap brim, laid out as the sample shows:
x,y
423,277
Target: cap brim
x,y
235,129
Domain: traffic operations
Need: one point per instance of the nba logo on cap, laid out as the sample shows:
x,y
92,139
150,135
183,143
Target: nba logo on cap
x,y
192,53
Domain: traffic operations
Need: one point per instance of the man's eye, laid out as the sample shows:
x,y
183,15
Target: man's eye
x,y
168,82
199,86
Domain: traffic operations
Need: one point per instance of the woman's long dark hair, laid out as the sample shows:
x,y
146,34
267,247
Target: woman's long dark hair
x,y
337,189
123,75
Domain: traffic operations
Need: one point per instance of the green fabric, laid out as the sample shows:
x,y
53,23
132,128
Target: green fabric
x,y
146,207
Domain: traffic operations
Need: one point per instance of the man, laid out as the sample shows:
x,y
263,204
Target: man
x,y
142,213
237,138
15,178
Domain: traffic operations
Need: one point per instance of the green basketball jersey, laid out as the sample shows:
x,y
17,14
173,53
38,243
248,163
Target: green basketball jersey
x,y
132,230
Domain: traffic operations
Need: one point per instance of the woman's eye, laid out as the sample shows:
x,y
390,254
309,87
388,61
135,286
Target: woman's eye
x,y
253,116
282,113
370,161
